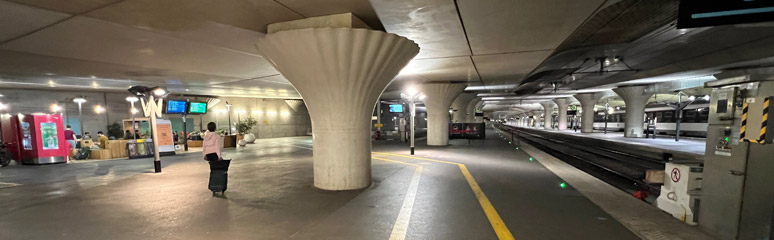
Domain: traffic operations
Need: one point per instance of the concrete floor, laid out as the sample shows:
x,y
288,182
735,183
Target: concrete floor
x,y
271,196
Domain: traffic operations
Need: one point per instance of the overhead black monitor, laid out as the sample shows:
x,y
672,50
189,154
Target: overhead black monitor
x,y
176,106
703,13
396,108
197,108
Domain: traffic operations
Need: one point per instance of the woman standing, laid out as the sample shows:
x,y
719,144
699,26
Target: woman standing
x,y
211,148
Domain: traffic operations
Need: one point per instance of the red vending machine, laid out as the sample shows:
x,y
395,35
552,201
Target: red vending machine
x,y
36,138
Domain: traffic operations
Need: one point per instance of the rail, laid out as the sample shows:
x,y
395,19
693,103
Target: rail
x,y
624,170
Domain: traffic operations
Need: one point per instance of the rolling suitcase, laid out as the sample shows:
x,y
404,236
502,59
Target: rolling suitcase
x,y
219,175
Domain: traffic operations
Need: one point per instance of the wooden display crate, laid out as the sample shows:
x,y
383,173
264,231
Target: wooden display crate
x,y
195,143
100,154
118,148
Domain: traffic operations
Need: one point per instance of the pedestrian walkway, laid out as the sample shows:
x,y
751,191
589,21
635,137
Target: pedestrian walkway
x,y
485,189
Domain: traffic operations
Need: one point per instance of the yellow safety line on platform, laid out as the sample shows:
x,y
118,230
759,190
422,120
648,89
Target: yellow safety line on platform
x,y
494,218
400,228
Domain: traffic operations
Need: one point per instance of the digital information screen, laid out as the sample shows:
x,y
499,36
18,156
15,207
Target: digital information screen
x,y
702,13
176,107
396,108
198,108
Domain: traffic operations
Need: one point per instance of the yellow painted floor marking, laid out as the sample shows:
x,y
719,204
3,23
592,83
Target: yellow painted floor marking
x,y
502,231
400,228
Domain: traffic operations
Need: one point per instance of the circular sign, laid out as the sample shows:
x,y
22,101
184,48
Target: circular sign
x,y
675,175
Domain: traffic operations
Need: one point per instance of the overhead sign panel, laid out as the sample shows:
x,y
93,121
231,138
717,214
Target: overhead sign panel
x,y
703,13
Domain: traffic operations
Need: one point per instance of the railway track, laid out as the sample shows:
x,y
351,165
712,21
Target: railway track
x,y
623,170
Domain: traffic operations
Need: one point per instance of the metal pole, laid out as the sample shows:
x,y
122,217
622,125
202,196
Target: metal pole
x,y
679,115
80,118
133,126
413,113
154,135
379,114
185,133
606,112
228,111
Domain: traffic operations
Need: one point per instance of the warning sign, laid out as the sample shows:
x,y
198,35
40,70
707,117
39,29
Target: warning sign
x,y
675,175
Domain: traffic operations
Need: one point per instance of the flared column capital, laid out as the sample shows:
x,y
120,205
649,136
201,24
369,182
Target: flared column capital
x,y
438,97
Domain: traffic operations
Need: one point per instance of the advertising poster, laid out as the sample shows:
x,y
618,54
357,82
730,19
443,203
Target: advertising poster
x,y
165,135
48,135
166,141
466,131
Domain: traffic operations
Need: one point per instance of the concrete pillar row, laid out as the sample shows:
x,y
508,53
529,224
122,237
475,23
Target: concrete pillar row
x,y
587,100
470,110
438,98
340,73
479,104
536,122
562,104
635,99
548,110
460,106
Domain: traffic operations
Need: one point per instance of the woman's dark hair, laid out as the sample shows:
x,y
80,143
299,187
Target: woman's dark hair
x,y
68,126
211,126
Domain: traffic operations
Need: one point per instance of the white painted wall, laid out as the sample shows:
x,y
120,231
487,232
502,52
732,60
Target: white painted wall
x,y
281,120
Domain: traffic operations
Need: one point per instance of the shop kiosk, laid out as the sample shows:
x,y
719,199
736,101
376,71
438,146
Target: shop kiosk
x,y
36,138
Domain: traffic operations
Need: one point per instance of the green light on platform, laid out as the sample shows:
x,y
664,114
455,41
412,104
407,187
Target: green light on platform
x,y
509,142
726,139
563,185
517,148
530,159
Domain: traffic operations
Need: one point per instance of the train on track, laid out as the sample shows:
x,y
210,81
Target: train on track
x,y
694,123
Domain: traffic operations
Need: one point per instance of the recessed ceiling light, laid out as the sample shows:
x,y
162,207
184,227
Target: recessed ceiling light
x,y
93,77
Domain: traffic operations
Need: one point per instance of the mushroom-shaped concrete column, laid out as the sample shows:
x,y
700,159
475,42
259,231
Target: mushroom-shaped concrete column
x,y
635,99
340,73
587,100
460,106
438,98
536,122
548,111
479,105
561,104
470,109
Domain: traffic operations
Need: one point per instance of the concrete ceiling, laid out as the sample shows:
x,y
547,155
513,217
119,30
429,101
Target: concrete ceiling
x,y
207,47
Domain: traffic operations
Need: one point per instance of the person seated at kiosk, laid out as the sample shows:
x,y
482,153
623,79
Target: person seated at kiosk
x,y
103,140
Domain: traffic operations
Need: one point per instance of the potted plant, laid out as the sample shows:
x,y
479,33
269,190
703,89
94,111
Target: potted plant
x,y
243,131
114,130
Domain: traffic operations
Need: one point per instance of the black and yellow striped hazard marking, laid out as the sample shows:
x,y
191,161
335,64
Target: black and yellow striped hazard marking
x,y
764,122
745,109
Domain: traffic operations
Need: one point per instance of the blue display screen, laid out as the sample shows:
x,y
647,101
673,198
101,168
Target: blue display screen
x,y
176,107
396,108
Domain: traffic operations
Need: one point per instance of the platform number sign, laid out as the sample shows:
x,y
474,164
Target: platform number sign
x,y
675,175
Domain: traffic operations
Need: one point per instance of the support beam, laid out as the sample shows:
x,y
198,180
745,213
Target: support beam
x,y
438,98
635,98
587,100
470,110
537,122
548,110
460,107
340,72
561,104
